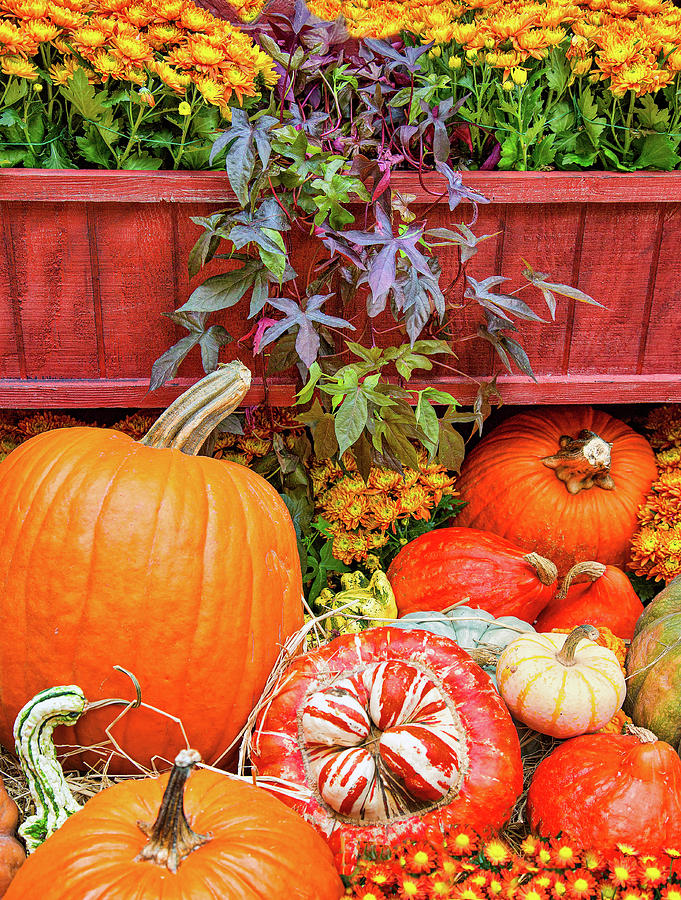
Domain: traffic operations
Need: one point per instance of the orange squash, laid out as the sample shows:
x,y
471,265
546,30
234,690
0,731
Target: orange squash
x,y
11,852
606,597
565,482
180,568
151,838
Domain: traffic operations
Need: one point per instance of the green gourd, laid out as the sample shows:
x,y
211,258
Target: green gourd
x,y
475,630
33,730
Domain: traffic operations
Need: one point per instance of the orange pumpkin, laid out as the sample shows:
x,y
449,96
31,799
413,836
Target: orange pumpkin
x,y
11,852
181,568
218,838
565,482
556,686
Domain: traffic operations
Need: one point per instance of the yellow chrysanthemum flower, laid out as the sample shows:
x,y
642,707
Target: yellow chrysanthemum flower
x,y
18,66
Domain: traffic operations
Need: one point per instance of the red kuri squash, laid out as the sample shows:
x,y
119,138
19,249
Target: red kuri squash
x,y
605,597
565,482
451,565
389,734
180,568
602,789
154,838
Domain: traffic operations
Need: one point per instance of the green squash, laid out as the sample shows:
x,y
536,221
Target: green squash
x,y
653,666
475,630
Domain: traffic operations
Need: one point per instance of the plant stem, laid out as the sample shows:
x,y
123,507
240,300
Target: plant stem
x,y
630,116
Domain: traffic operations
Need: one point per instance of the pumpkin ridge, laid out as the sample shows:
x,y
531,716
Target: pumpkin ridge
x,y
560,696
75,472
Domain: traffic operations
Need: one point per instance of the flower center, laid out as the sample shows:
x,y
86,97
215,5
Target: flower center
x,y
382,743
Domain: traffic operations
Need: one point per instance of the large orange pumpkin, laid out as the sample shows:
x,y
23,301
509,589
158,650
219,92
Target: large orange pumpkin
x,y
182,569
218,838
564,482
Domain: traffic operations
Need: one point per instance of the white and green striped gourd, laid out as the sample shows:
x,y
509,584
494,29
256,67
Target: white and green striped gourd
x,y
33,729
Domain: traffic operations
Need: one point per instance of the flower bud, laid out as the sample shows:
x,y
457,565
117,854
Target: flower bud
x,y
507,85
455,62
184,108
519,75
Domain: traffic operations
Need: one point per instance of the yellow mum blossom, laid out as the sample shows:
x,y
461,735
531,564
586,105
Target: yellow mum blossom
x,y
17,65
137,15
176,81
193,18
107,65
131,51
160,36
168,10
88,39
14,39
40,31
66,18
28,9
62,74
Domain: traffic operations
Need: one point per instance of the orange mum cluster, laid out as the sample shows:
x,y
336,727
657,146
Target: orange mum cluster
x,y
137,41
656,546
634,43
256,441
362,513
463,866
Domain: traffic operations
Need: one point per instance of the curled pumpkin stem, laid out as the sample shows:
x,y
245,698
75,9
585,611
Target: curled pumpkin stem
x,y
188,422
582,462
171,838
643,734
566,655
589,569
545,569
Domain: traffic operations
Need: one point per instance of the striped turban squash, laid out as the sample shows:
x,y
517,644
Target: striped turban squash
x,y
389,735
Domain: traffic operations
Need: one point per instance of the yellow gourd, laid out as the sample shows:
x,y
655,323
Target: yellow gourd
x,y
362,603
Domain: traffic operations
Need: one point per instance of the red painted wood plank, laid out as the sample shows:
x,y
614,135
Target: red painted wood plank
x,y
136,284
618,249
547,241
662,350
12,357
52,259
46,185
514,389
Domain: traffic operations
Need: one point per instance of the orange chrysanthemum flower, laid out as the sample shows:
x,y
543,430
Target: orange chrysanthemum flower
x,y
18,66
581,884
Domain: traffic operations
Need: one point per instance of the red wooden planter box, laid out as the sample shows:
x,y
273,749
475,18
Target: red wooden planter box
x,y
90,259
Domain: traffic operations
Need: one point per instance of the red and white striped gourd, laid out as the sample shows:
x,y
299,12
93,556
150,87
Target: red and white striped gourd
x,y
392,734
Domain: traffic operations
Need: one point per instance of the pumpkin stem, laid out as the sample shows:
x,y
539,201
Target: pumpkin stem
x,y
589,568
545,569
643,734
566,655
483,657
190,420
582,462
171,838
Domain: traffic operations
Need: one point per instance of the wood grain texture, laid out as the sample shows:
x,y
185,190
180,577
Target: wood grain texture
x,y
91,261
662,350
618,250
99,186
52,262
515,389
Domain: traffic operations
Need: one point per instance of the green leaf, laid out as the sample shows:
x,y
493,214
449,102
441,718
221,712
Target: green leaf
x,y
94,149
451,448
221,291
650,115
142,161
426,418
658,152
87,102
350,419
593,123
166,366
557,72
210,341
16,89
274,262
399,443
